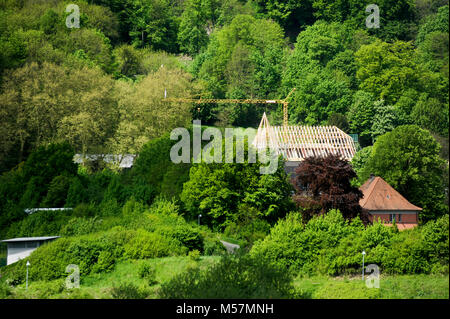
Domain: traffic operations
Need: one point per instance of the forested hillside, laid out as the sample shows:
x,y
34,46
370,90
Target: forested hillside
x,y
99,89
100,86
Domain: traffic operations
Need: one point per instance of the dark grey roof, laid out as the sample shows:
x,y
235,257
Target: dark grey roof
x,y
28,239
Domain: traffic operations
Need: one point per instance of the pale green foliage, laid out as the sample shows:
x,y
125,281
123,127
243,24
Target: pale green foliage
x,y
385,119
360,159
387,70
55,103
143,113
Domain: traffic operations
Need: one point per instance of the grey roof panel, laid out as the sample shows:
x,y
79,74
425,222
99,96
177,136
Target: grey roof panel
x,y
28,239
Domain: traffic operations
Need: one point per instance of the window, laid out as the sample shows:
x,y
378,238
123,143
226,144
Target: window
x,y
391,217
399,217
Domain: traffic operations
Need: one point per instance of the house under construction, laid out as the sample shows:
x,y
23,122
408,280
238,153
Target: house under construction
x,y
295,143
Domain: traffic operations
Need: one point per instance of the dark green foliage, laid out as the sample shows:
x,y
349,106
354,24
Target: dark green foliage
x,y
57,192
84,210
338,120
46,171
248,225
215,191
436,22
50,161
41,223
231,277
49,21
408,159
153,172
76,193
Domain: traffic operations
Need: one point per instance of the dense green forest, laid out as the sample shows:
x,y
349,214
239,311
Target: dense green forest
x,y
100,88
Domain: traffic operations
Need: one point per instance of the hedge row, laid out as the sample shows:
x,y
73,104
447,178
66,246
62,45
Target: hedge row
x,y
330,245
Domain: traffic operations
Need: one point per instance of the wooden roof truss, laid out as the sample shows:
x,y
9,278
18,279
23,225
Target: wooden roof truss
x,y
296,143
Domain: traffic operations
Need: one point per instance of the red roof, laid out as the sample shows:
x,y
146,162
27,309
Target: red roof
x,y
379,195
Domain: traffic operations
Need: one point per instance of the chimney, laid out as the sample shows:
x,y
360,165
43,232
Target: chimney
x,y
372,176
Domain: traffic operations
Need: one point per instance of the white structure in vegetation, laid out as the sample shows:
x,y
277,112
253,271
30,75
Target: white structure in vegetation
x,y
20,248
296,143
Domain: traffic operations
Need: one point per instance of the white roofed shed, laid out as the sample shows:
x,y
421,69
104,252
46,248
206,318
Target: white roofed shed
x,y
22,247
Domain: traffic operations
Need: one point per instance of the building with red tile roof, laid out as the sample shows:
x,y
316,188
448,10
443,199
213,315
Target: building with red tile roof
x,y
385,203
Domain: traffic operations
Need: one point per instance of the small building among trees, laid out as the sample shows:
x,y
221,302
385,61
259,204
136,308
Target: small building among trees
x,y
20,248
385,203
296,143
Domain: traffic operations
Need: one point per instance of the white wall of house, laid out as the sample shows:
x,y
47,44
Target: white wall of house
x,y
21,250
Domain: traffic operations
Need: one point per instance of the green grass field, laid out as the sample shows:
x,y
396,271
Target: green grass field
x,y
391,287
101,285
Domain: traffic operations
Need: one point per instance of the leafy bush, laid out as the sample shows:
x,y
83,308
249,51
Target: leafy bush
x,y
41,223
91,253
57,192
84,210
151,245
148,272
5,290
212,246
194,255
329,245
128,291
46,289
185,234
80,226
232,277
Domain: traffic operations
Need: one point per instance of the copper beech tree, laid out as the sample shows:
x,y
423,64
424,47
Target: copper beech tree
x,y
323,183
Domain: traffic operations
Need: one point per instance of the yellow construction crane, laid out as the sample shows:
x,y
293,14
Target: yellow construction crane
x,y
240,101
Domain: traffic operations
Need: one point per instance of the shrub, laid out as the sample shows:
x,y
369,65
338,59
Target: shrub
x,y
57,192
84,210
128,291
212,246
146,271
105,262
109,207
232,277
46,289
41,223
81,226
5,291
186,235
90,253
151,245
194,255
329,245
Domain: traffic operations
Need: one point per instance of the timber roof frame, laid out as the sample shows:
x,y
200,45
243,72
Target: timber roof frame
x,y
296,143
